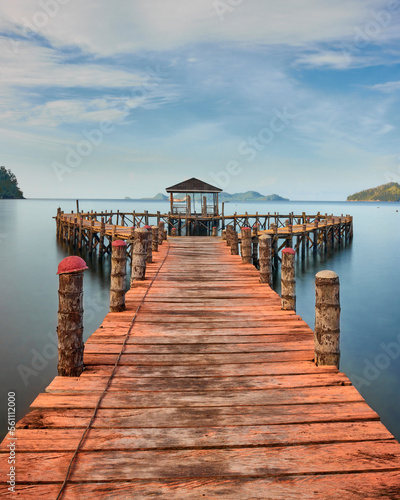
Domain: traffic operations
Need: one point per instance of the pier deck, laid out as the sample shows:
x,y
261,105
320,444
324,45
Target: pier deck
x,y
215,396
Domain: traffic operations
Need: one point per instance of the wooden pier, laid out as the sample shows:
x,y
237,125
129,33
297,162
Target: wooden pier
x,y
95,231
215,395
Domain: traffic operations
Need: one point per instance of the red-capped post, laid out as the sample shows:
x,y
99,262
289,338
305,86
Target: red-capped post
x,y
70,316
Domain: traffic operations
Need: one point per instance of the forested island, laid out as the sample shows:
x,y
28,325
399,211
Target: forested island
x,y
385,192
9,189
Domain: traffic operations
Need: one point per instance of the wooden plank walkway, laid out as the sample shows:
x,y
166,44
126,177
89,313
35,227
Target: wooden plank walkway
x,y
215,396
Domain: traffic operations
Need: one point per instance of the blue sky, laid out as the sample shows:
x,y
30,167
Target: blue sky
x,y
104,99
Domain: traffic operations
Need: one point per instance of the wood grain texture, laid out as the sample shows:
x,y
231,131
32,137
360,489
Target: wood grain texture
x,y
216,395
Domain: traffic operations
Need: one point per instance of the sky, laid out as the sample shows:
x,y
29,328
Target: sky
x,y
103,99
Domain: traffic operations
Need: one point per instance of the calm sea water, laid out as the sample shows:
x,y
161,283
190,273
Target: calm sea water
x,y
369,271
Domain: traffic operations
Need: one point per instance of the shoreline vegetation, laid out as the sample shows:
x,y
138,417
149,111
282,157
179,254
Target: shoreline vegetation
x,y
9,189
385,192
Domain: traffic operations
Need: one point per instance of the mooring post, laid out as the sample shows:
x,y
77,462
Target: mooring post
x,y
254,244
327,319
288,281
173,231
275,238
214,231
139,254
224,234
149,244
118,276
234,243
160,232
246,245
228,234
70,316
265,259
154,239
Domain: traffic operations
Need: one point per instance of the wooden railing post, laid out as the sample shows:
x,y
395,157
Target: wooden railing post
x,y
288,281
154,232
70,316
149,244
228,234
246,245
327,319
214,231
160,232
139,255
235,243
274,242
265,259
118,276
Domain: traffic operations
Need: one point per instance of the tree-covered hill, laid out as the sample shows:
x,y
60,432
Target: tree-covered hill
x,y
8,185
385,192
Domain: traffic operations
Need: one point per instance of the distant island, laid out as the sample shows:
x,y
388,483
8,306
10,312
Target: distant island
x,y
385,192
9,189
248,196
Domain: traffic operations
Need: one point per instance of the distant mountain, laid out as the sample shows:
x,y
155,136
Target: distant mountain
x,y
160,196
385,192
250,196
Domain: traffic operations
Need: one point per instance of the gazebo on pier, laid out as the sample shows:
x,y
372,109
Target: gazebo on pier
x,y
185,195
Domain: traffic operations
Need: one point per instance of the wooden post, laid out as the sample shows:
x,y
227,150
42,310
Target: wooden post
x,y
70,316
101,243
327,319
214,231
77,206
223,234
288,281
146,217
275,239
234,243
139,254
254,241
113,233
154,239
246,245
149,259
304,240
173,231
223,215
91,230
315,235
265,259
160,232
228,234
118,276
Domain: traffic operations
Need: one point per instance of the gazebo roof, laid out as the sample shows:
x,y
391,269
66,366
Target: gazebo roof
x,y
193,185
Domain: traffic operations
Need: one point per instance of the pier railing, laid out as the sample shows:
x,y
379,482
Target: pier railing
x,y
96,231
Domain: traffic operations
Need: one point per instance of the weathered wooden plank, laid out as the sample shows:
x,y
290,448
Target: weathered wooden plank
x,y
192,348
154,384
195,437
245,462
200,416
371,486
132,399
197,359
221,370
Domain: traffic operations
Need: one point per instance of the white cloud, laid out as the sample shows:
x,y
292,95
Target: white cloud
x,y
386,87
105,28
